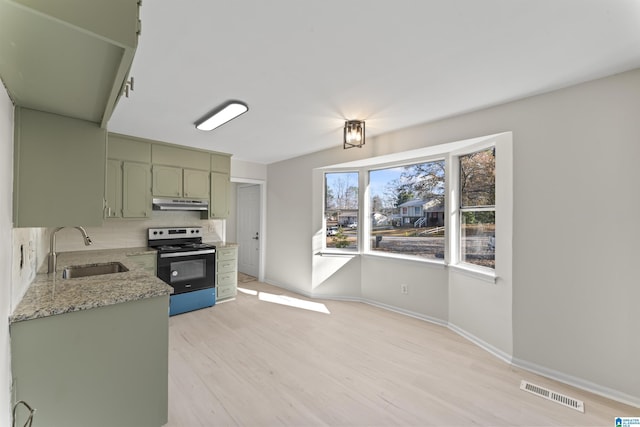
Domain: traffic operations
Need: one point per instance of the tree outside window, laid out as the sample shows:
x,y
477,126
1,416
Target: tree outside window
x,y
341,210
477,208
407,209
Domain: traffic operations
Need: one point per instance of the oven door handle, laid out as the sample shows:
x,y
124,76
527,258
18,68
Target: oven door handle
x,y
191,253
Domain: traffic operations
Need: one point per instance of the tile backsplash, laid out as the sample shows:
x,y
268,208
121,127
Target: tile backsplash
x,y
133,233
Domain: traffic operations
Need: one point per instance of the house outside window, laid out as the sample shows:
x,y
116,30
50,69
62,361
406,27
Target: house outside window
x,y
341,210
406,210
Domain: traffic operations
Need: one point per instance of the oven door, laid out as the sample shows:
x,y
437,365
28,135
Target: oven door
x,y
188,271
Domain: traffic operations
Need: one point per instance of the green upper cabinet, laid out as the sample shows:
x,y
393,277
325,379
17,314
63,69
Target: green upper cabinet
x,y
167,181
68,57
195,183
220,182
128,191
59,170
136,200
113,193
221,163
170,155
219,204
180,172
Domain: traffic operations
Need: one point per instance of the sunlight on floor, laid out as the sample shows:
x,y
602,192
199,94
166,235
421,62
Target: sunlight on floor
x,y
288,301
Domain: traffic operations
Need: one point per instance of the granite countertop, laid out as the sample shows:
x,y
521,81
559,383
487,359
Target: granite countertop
x,y
49,294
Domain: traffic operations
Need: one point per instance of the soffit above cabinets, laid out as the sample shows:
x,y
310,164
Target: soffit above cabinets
x,y
67,60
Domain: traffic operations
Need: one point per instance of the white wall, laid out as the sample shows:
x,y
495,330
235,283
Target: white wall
x,y
570,302
247,170
6,239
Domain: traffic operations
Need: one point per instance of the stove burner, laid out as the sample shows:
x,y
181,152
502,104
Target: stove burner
x,y
168,248
196,245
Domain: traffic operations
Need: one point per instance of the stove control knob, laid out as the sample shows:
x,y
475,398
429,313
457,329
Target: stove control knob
x,y
155,232
174,273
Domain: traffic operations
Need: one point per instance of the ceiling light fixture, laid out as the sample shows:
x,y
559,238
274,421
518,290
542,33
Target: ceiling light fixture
x,y
221,115
353,133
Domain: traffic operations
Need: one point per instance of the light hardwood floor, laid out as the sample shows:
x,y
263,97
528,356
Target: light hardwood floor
x,y
250,362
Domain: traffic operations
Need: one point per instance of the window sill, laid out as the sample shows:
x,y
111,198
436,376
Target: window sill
x,y
431,262
476,273
338,253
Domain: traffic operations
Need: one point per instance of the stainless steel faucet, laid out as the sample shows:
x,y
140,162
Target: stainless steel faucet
x,y
53,257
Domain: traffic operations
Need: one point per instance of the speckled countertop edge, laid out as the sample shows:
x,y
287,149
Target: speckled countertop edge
x,y
49,294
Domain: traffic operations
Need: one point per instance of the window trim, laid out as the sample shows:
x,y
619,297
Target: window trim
x,y
341,251
366,229
455,245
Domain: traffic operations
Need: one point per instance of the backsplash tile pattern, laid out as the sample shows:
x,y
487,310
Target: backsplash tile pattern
x,y
116,233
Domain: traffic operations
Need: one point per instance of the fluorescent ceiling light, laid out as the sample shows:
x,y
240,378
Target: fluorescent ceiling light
x,y
222,114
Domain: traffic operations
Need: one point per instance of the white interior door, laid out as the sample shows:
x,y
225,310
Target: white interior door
x,y
249,229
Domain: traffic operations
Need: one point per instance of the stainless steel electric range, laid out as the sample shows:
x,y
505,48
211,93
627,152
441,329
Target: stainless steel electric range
x,y
186,264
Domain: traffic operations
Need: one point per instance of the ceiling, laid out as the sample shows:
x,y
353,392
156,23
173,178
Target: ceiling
x,y
304,67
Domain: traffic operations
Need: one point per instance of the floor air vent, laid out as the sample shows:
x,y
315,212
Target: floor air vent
x,y
570,402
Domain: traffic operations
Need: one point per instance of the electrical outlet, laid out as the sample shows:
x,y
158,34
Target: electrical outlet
x,y
404,289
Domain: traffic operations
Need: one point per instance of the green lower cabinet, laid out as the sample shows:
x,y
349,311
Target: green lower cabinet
x,y
226,273
106,366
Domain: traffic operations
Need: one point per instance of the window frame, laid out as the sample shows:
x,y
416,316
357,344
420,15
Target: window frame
x,y
346,251
365,231
503,144
455,242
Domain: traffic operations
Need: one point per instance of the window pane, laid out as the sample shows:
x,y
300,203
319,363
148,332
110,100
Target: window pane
x,y
341,210
478,178
407,209
478,243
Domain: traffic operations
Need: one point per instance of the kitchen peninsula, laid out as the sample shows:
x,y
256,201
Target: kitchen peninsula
x,y
94,350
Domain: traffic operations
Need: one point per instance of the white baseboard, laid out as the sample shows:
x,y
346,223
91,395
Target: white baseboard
x,y
500,354
409,313
580,383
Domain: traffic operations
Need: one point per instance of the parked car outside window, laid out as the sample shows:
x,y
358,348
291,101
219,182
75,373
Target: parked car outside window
x,y
332,231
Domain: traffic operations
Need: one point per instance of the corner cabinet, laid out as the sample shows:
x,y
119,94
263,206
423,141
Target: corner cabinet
x,y
128,190
226,273
107,366
68,57
59,170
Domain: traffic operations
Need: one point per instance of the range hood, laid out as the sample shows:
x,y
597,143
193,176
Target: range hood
x,y
180,205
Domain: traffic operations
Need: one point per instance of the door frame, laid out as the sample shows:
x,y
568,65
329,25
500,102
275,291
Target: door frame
x,y
262,243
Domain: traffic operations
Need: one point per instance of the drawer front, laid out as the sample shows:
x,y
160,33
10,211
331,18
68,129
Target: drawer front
x,y
226,254
225,292
225,279
226,266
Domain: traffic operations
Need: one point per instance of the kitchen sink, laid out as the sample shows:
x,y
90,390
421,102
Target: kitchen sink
x,y
74,271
